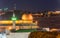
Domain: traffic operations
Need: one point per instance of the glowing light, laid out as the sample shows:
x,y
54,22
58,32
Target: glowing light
x,y
27,17
24,17
17,22
17,27
30,17
56,12
41,13
49,13
10,28
14,18
47,29
53,30
36,22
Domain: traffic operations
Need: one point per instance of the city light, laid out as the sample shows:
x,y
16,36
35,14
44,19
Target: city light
x,y
17,21
9,28
27,17
14,18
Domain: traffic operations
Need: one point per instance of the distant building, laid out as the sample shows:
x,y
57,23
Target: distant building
x,y
50,22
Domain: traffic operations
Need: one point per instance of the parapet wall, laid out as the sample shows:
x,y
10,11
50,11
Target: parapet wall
x,y
18,35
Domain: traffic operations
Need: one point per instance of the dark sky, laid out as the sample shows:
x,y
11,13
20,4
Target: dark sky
x,y
32,5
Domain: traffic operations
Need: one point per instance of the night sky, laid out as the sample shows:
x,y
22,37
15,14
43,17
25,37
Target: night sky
x,y
31,5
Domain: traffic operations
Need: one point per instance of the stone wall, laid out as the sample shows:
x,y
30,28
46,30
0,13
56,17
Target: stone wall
x,y
18,35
